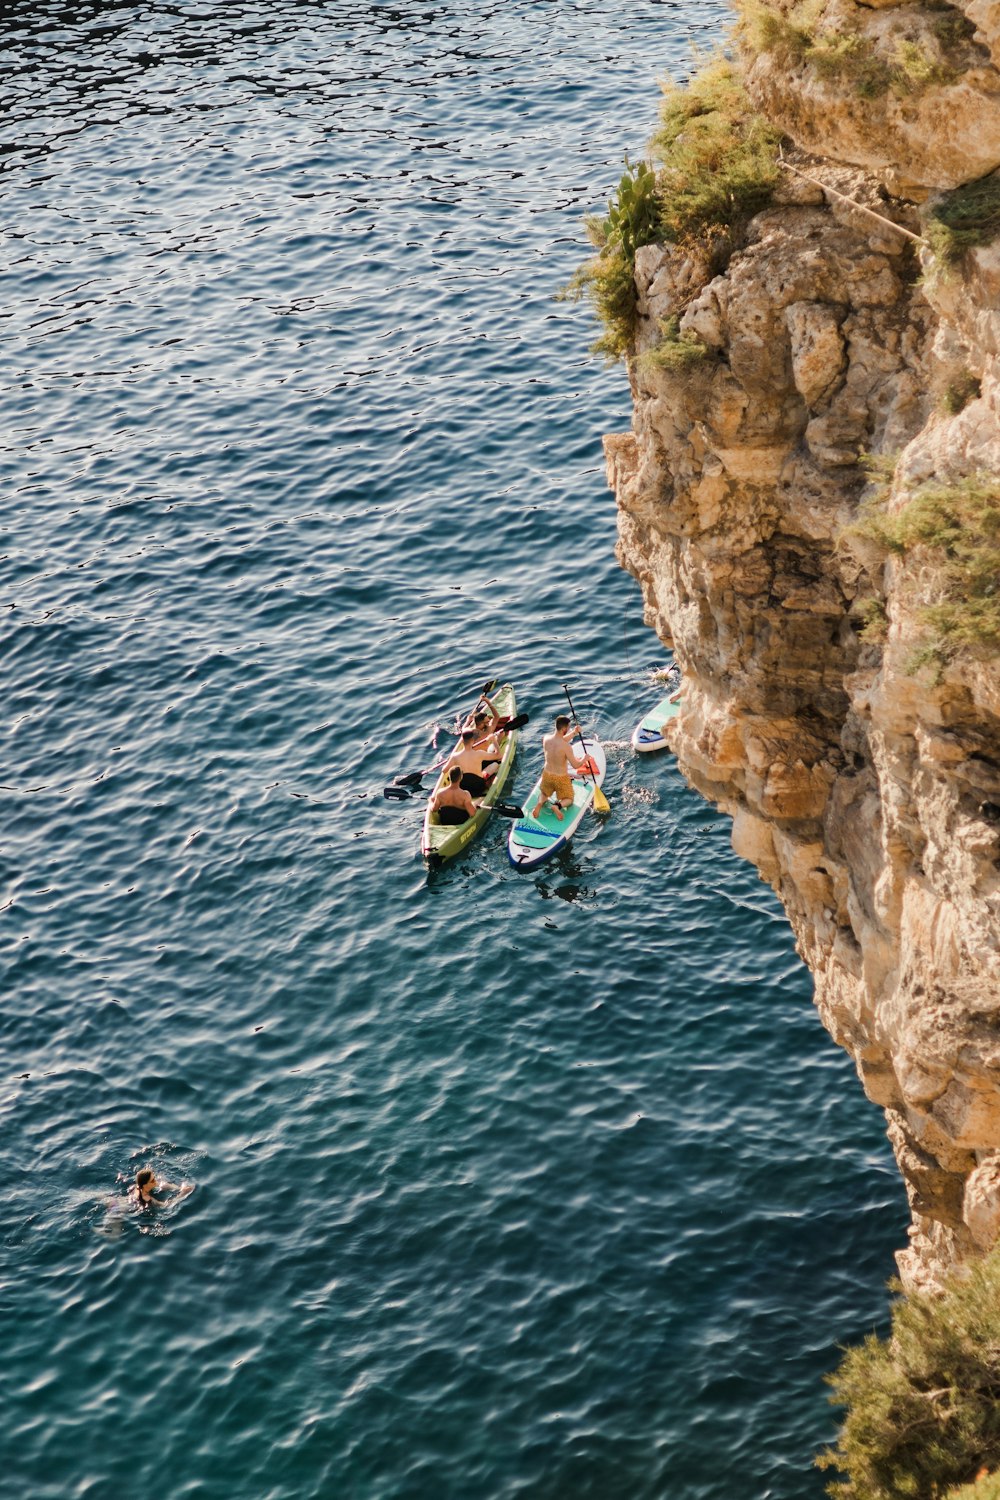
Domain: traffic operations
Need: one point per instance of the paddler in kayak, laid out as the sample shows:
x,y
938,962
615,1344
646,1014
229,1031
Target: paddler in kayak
x,y
561,763
484,720
476,762
451,803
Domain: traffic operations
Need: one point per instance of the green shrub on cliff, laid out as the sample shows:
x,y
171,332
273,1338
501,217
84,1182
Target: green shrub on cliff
x,y
957,527
965,218
718,159
797,36
676,351
872,622
633,219
951,26
923,1406
715,165
986,1488
959,392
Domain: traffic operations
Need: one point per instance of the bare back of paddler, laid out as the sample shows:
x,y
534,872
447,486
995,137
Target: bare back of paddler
x,y
473,763
560,761
451,803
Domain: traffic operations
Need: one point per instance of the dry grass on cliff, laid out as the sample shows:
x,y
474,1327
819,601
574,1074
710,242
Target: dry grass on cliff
x,y
847,56
923,1406
964,219
717,159
676,351
987,1487
955,528
715,166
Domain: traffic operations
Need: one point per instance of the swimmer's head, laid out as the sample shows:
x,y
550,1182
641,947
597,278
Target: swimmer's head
x,y
145,1178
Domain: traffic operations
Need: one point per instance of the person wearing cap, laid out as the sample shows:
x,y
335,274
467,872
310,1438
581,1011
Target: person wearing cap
x,y
484,720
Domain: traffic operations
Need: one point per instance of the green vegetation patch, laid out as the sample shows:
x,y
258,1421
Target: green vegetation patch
x,y
872,622
608,279
959,392
718,160
923,1406
848,56
951,26
714,165
676,351
965,218
986,1488
958,527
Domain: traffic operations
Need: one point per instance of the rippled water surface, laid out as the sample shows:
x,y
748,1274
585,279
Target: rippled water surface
x,y
541,1186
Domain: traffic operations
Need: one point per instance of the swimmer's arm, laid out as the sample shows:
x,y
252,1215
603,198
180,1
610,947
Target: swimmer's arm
x,y
176,1190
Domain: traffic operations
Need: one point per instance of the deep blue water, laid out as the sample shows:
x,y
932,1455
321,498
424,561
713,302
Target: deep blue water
x,y
542,1186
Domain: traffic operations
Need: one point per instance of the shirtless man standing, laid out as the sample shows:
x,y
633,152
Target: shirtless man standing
x,y
472,763
557,774
452,803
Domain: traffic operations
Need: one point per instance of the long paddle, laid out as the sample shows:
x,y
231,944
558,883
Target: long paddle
x,y
505,809
413,779
601,803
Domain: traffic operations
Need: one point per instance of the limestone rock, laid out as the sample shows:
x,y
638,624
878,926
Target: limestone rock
x,y
936,127
866,794
817,350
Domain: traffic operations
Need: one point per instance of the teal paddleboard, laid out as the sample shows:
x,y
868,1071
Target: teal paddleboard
x,y
648,733
531,841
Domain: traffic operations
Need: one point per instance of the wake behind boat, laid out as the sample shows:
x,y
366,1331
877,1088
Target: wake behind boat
x,y
442,840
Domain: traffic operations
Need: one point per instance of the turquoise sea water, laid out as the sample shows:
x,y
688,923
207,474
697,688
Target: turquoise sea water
x,y
544,1186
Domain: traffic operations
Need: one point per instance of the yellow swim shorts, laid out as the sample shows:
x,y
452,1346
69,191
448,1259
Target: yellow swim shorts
x,y
557,786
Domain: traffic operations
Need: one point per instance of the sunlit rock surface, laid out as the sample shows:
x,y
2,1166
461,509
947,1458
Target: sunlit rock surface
x,y
867,793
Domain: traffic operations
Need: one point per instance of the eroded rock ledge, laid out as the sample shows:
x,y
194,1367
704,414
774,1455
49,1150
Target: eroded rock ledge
x,y
867,794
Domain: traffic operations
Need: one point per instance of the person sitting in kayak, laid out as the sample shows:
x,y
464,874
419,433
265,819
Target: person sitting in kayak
x,y
484,720
561,761
487,740
451,803
475,766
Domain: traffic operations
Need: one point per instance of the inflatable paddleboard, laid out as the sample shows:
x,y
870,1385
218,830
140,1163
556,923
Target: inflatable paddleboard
x,y
648,733
532,841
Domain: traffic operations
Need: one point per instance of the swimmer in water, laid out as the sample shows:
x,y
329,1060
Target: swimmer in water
x,y
146,1184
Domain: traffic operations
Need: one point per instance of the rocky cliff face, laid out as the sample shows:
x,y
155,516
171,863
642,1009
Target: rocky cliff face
x,y
866,792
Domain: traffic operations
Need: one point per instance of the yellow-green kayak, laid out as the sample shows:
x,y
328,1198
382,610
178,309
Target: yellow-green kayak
x,y
439,842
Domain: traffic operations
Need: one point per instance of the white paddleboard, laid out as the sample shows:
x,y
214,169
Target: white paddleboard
x,y
531,841
648,733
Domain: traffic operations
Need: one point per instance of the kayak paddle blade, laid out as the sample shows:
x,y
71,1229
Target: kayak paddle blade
x,y
508,809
